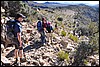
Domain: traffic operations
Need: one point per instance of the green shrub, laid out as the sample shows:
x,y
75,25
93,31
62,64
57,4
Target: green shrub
x,y
63,33
62,55
74,38
34,12
85,62
60,19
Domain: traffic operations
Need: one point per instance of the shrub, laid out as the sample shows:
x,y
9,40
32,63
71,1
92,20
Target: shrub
x,y
34,12
93,28
74,38
60,19
63,33
85,61
62,55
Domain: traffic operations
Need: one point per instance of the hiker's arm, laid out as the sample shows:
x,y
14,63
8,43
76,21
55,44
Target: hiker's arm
x,y
45,30
19,38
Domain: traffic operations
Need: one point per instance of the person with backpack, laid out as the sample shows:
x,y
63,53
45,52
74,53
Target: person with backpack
x,y
15,29
49,33
41,26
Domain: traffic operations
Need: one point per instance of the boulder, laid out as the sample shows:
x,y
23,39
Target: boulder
x,y
2,47
64,43
42,62
35,62
2,10
5,61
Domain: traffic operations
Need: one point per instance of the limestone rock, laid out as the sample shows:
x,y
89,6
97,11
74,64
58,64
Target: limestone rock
x,y
2,47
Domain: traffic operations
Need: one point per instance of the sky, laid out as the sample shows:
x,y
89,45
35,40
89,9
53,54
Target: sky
x,y
85,2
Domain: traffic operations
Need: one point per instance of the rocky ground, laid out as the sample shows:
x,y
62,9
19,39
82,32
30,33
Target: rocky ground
x,y
37,54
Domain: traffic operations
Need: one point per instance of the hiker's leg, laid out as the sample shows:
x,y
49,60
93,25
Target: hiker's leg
x,y
21,55
16,54
43,36
16,50
47,37
21,52
51,37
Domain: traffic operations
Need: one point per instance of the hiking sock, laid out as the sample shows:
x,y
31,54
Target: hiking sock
x,y
22,59
16,60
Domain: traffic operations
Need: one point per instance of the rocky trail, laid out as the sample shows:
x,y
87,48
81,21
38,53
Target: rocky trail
x,y
37,54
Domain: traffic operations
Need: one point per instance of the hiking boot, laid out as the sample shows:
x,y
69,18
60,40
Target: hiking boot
x,y
18,64
22,60
15,62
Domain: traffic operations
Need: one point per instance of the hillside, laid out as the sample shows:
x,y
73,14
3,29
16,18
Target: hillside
x,y
75,42
85,12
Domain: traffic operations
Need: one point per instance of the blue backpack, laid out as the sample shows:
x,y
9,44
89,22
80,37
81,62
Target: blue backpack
x,y
39,26
10,29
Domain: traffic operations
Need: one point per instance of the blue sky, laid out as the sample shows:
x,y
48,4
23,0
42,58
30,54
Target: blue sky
x,y
86,2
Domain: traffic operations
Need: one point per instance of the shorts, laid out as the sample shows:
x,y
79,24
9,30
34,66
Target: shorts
x,y
16,43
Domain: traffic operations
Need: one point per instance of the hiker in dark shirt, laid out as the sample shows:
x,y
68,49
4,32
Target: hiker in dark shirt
x,y
41,26
17,39
49,33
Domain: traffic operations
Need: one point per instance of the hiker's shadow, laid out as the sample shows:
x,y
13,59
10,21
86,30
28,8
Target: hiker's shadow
x,y
10,54
35,45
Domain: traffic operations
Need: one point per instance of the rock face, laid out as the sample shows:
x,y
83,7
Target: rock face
x,y
2,47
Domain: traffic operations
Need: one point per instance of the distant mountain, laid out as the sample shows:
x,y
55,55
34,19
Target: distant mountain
x,y
85,13
51,3
96,7
55,4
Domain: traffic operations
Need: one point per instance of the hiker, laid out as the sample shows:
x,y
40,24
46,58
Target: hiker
x,y
49,33
41,26
17,39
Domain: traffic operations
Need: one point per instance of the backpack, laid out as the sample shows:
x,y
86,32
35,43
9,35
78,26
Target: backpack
x,y
39,26
49,27
10,30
